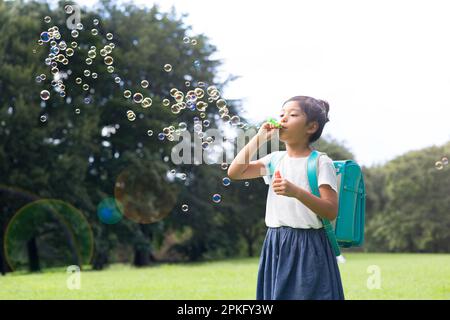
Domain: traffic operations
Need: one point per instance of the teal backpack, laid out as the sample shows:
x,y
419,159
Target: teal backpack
x,y
347,230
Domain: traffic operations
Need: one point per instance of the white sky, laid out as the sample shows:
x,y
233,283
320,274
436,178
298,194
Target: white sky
x,y
384,66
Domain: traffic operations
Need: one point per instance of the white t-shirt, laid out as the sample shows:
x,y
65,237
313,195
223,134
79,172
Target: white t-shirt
x,y
289,211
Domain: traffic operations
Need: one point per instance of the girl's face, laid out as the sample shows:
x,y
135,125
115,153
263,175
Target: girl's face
x,y
293,120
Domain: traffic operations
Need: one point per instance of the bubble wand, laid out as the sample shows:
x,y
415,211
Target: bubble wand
x,y
275,123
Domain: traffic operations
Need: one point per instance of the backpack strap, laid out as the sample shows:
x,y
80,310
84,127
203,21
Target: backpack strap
x,y
313,184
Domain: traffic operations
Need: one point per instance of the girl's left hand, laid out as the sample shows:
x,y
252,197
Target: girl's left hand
x,y
284,187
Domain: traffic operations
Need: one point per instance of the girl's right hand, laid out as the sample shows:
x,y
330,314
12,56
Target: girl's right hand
x,y
266,131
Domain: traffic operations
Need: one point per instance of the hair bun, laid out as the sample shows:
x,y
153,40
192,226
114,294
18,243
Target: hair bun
x,y
326,107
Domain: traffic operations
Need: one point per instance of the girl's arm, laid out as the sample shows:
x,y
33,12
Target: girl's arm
x,y
242,167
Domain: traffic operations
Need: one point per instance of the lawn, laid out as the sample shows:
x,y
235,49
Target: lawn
x,y
403,276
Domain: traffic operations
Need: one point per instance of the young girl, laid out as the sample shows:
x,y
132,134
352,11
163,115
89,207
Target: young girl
x,y
297,261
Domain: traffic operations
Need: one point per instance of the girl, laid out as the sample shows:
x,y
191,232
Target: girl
x,y
297,261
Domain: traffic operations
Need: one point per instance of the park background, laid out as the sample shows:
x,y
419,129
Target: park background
x,y
71,164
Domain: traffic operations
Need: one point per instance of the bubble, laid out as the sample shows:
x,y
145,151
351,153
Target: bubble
x,y
73,44
80,26
109,211
205,145
246,183
45,95
206,123
43,118
197,64
221,103
216,198
103,52
45,37
109,60
201,106
235,120
161,136
95,22
175,109
117,79
147,102
77,111
127,94
444,161
94,75
187,83
74,33
68,9
88,61
87,73
183,176
149,133
110,69
144,84
78,80
167,67
137,97
184,207
131,115
94,32
201,84
186,39
92,54
199,92
197,127
47,19
85,87
69,52
194,42
224,166
182,126
226,181
109,36
439,165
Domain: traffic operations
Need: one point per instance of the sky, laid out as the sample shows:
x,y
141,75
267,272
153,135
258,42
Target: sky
x,y
383,66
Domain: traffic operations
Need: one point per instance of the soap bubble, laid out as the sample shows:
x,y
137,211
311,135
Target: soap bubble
x,y
77,111
127,94
167,67
186,39
68,9
109,211
88,61
43,118
109,36
85,87
201,106
138,97
147,102
110,69
74,33
117,79
206,123
69,52
182,126
216,198
45,37
221,103
109,60
149,133
166,102
193,42
45,95
187,83
131,115
78,80
95,22
235,120
197,64
185,207
47,19
144,84
80,26
87,73
205,145
226,181
246,183
439,165
161,136
444,161
94,75
224,166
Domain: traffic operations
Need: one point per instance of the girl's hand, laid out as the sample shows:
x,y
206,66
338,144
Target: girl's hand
x,y
283,187
266,131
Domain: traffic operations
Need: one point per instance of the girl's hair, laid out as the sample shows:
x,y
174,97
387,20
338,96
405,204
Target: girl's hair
x,y
315,110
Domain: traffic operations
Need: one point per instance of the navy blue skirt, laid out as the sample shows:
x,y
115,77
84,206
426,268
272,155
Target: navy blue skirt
x,y
298,264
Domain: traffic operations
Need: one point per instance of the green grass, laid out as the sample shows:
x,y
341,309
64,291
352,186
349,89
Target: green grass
x,y
403,276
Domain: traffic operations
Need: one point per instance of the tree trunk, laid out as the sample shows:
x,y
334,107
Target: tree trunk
x,y
142,257
250,247
33,255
